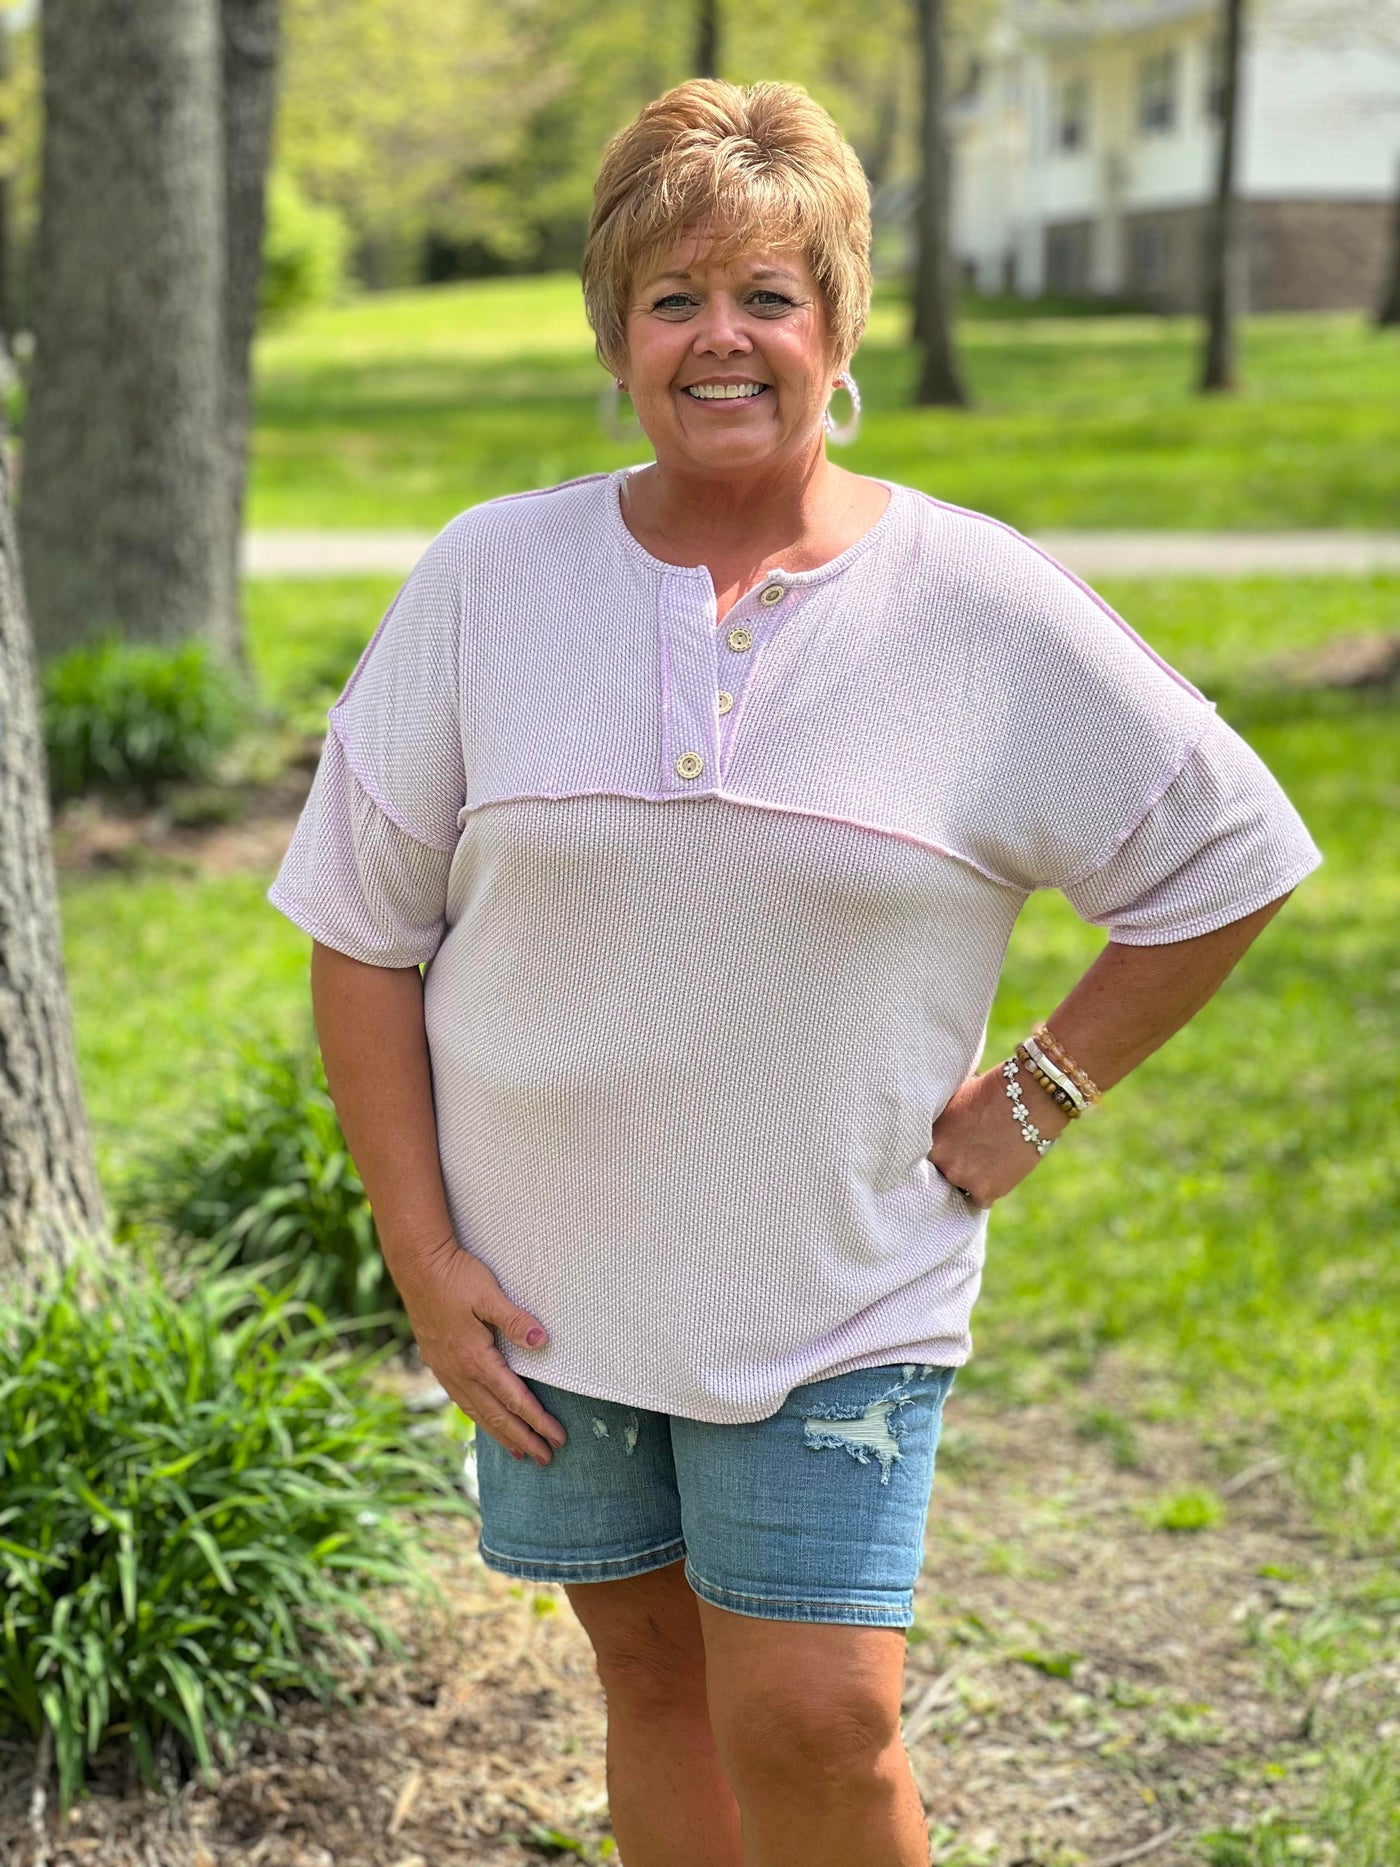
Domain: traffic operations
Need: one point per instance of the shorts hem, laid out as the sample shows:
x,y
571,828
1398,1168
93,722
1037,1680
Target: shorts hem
x,y
795,1608
583,1568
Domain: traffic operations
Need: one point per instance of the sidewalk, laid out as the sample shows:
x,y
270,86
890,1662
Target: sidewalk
x,y
1089,554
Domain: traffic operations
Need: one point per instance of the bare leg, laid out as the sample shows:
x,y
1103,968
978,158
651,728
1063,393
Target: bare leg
x,y
670,1800
806,1717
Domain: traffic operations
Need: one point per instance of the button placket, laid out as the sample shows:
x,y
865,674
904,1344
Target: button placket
x,y
741,643
688,680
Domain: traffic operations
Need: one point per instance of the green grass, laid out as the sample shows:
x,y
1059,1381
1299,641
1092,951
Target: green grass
x,y
400,409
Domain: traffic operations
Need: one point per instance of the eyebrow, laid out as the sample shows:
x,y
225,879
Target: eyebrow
x,y
763,272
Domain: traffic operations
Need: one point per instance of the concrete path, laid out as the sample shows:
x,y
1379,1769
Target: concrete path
x,y
1090,554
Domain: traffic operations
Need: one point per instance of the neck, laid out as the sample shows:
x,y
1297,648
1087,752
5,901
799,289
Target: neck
x,y
763,508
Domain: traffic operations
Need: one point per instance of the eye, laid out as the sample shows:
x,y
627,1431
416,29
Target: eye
x,y
671,298
764,292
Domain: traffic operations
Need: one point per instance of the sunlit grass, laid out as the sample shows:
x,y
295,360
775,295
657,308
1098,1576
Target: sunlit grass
x,y
403,408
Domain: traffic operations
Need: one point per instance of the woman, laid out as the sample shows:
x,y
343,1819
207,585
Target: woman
x,y
708,792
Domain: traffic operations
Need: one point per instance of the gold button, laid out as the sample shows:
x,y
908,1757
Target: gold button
x,y
774,593
689,765
739,640
726,701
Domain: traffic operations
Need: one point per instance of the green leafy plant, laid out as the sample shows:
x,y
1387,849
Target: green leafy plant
x,y
304,249
267,1176
198,1499
128,717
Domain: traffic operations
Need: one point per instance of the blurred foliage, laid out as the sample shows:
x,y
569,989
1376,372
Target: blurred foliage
x,y
457,136
128,717
266,1176
304,251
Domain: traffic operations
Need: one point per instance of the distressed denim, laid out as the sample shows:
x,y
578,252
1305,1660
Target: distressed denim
x,y
816,1513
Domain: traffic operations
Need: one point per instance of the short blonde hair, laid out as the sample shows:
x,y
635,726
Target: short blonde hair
x,y
753,165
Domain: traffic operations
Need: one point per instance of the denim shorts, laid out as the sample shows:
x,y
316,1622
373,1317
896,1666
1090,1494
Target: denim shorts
x,y
815,1514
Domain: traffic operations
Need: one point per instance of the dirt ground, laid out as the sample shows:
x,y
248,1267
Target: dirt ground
x,y
1082,1689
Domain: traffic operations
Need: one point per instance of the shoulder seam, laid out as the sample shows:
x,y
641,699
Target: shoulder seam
x,y
1125,627
380,803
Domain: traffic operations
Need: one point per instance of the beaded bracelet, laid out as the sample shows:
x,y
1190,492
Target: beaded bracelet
x,y
1060,1091
1042,1144
1053,1051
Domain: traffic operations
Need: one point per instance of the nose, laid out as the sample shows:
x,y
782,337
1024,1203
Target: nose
x,y
720,331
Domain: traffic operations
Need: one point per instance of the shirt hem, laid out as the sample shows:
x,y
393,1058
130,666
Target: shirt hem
x,y
942,1352
1216,918
328,936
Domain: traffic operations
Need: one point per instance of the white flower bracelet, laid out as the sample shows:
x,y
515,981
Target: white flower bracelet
x,y
1011,1069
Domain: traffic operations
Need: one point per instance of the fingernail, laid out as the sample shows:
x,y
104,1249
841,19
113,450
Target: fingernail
x,y
540,1459
516,1455
535,1337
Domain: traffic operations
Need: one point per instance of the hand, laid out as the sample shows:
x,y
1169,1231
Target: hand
x,y
452,1300
978,1146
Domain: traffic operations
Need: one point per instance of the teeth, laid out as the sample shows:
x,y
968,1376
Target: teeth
x,y
725,392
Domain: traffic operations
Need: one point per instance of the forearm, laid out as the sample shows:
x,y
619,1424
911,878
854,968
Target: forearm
x,y
1133,998
369,1022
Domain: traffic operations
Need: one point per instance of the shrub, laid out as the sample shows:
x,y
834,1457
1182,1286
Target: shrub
x,y
267,1176
127,717
194,1509
304,248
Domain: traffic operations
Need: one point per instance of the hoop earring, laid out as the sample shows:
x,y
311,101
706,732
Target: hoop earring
x,y
847,431
610,413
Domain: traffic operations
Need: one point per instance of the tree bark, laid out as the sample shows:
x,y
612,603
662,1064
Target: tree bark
x,y
124,515
1388,311
50,1194
250,47
939,382
7,281
707,39
1218,365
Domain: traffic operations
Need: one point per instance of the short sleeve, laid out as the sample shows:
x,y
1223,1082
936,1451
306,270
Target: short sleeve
x,y
367,868
1222,840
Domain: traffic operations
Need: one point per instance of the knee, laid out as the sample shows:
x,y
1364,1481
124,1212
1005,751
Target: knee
x,y
652,1681
806,1740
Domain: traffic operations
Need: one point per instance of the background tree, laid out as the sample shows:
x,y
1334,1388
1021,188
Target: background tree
x,y
249,84
1388,311
49,1189
1221,256
123,522
939,381
707,39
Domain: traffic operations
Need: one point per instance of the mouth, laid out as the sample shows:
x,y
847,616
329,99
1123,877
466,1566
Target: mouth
x,y
726,394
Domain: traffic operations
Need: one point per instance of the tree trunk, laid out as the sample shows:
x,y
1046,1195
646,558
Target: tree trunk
x,y
50,1194
1218,372
123,513
707,39
250,43
933,294
1388,311
7,291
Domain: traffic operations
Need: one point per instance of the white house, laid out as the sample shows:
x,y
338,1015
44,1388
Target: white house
x,y
1084,150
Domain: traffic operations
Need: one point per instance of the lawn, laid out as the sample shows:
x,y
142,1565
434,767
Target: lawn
x,y
401,409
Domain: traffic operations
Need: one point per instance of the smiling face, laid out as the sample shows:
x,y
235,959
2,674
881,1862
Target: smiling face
x,y
728,362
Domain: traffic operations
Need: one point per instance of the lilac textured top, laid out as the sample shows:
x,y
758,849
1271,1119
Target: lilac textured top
x,y
712,917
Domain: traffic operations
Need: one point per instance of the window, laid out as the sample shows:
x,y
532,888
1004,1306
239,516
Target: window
x,y
1157,92
1149,255
1072,113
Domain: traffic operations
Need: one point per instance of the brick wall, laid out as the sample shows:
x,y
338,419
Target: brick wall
x,y
1298,255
